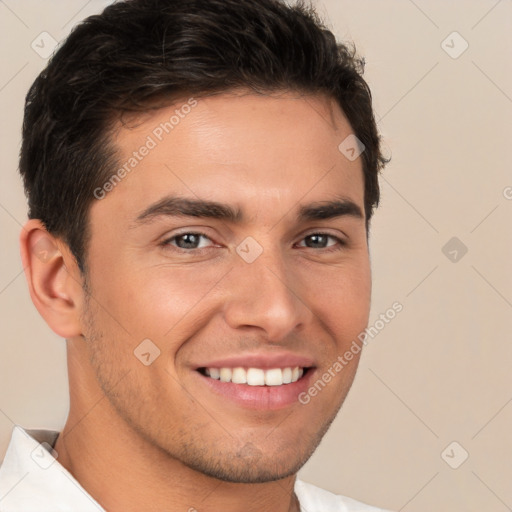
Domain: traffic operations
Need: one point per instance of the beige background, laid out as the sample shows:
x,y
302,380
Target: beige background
x,y
440,371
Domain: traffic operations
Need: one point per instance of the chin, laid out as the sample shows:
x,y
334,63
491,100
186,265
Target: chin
x,y
248,471
250,464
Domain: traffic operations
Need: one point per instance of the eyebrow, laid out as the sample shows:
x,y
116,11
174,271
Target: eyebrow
x,y
178,206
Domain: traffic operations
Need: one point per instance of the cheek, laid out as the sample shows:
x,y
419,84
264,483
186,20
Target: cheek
x,y
340,297
154,301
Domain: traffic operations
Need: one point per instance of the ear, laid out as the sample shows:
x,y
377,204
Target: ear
x,y
54,279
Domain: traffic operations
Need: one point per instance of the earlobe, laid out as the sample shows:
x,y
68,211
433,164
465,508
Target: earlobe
x,y
53,277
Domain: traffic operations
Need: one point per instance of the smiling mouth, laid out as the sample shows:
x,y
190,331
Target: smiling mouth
x,y
256,376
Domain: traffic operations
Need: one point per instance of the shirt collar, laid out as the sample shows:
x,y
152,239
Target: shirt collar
x,y
32,479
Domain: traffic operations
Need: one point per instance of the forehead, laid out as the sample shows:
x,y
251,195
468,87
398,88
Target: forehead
x,y
264,152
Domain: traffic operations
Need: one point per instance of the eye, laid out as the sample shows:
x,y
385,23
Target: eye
x,y
192,241
320,241
184,241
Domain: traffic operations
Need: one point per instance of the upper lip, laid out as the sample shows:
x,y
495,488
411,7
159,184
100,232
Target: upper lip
x,y
264,361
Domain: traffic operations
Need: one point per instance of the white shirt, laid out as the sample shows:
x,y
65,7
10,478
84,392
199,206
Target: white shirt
x,y
32,480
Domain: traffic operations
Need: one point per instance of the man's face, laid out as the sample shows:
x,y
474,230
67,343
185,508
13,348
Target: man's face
x,y
270,290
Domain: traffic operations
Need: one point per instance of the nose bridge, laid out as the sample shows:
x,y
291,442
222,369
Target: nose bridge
x,y
265,294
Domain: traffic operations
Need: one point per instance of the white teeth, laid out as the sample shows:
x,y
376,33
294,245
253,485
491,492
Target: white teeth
x,y
256,376
214,373
239,376
225,374
274,377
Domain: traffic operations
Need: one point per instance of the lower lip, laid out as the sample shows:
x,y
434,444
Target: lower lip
x,y
260,397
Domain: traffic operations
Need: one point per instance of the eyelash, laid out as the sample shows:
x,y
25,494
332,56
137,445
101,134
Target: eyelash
x,y
167,242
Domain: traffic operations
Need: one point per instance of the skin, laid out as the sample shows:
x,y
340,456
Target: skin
x,y
155,437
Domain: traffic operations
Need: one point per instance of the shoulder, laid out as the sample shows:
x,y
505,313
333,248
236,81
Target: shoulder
x,y
315,499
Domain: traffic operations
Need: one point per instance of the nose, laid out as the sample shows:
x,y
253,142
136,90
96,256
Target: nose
x,y
266,295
